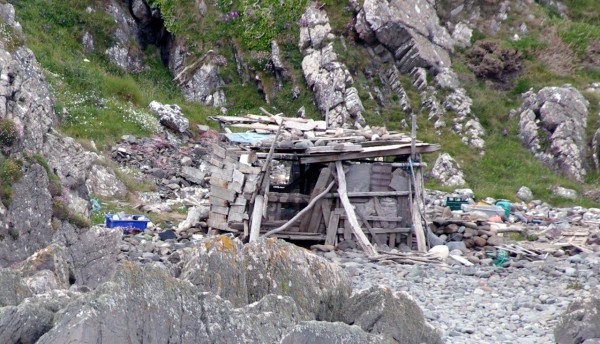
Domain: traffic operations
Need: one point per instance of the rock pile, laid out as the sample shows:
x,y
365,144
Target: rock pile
x,y
171,167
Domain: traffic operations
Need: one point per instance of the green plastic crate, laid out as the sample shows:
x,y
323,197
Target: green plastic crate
x,y
455,202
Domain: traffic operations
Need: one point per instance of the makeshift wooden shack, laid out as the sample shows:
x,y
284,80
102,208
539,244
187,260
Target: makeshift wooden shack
x,y
294,179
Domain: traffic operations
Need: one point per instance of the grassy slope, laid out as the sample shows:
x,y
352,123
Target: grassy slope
x,y
103,103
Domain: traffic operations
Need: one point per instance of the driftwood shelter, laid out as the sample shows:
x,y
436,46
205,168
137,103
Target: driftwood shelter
x,y
295,179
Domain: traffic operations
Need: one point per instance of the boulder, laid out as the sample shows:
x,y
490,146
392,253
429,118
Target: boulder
x,y
103,182
318,287
380,311
525,194
552,125
146,305
311,332
564,192
194,216
447,171
216,265
27,227
579,323
170,116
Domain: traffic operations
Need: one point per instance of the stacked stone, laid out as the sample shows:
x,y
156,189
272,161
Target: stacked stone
x,y
233,182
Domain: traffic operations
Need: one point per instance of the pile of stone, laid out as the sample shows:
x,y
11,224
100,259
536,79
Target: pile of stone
x,y
461,234
554,230
170,166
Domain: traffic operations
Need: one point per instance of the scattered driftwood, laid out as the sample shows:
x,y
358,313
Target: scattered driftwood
x,y
517,249
461,260
407,258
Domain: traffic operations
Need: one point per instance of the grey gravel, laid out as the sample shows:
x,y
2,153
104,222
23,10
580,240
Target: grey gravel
x,y
485,303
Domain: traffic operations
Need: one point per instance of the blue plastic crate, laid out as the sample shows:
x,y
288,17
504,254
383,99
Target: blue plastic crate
x,y
130,222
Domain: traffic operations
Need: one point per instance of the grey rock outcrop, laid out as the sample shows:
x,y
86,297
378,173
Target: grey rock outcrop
x,y
13,289
216,265
114,313
325,75
7,14
28,321
170,116
552,125
454,105
409,30
378,310
579,323
123,54
72,164
246,274
68,160
464,122
447,171
102,181
277,267
199,79
88,43
27,227
26,98
51,259
92,253
312,332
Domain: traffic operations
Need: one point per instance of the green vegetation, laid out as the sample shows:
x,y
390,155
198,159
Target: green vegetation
x,y
8,132
10,173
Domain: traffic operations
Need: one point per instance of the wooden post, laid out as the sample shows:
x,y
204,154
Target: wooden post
x,y
360,236
260,200
256,217
416,207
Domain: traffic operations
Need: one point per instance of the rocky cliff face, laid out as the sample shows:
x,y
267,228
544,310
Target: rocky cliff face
x,y
552,125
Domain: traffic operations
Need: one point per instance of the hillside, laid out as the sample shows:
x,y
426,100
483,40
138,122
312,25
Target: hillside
x,y
237,56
